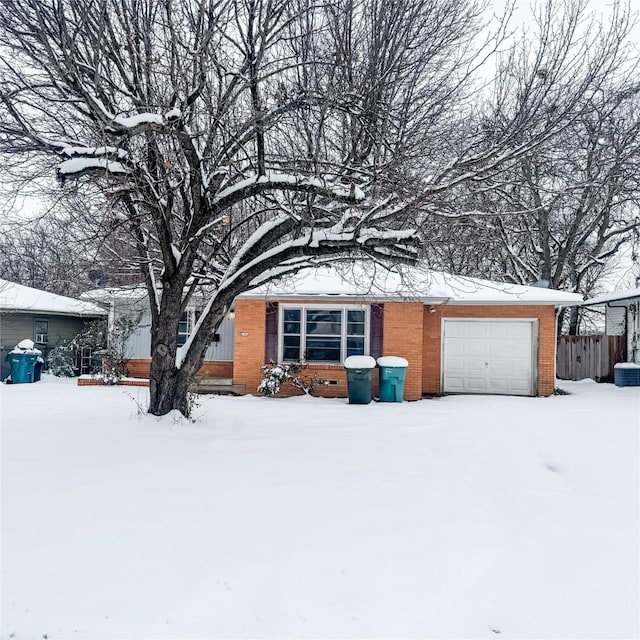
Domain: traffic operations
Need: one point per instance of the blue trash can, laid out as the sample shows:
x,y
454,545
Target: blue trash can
x,y
393,371
22,366
359,378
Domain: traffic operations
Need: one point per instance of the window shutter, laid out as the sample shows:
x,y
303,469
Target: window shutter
x,y
271,337
376,324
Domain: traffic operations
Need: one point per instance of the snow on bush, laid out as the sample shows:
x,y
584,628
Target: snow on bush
x,y
61,359
275,375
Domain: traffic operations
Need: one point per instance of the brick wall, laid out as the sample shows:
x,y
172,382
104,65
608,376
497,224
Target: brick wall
x,y
139,368
249,341
403,336
431,356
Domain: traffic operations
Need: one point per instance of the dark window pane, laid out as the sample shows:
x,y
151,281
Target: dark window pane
x,y
182,338
318,315
323,355
355,316
323,328
42,326
323,349
292,315
291,353
291,348
291,327
355,329
355,346
324,323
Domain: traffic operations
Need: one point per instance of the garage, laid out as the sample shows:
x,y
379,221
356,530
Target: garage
x,y
489,356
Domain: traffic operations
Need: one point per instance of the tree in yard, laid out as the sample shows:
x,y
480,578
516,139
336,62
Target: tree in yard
x,y
44,253
562,211
222,144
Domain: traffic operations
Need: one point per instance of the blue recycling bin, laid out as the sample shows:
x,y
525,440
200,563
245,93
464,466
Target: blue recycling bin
x,y
22,366
393,371
359,378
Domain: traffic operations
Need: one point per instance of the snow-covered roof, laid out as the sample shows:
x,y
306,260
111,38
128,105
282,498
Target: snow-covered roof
x,y
134,293
17,298
626,294
370,281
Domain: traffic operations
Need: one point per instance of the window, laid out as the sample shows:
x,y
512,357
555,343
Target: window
x,y
41,330
185,326
323,334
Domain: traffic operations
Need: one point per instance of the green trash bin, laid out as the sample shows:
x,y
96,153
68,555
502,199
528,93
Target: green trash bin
x,y
22,366
37,369
392,375
359,378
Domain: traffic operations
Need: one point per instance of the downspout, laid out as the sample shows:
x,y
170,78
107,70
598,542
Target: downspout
x,y
555,344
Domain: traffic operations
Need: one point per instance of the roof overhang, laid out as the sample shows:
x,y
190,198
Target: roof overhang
x,y
46,312
629,296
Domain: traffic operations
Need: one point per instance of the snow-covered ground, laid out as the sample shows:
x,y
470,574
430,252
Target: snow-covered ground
x,y
462,517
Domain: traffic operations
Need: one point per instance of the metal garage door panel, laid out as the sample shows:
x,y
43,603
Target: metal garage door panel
x,y
488,356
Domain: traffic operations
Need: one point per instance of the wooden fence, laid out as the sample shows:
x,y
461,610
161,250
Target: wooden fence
x,y
580,357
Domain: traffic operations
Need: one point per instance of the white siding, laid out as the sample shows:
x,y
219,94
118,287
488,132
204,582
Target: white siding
x,y
139,344
615,320
222,350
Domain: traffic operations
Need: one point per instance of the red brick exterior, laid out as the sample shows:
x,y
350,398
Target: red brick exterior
x,y
249,342
92,382
412,330
431,357
139,368
249,354
403,337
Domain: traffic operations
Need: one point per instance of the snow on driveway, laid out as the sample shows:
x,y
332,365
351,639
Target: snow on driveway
x,y
461,517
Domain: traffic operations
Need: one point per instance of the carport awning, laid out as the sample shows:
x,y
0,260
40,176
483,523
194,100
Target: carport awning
x,y
626,294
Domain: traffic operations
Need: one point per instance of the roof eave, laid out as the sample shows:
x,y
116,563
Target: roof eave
x,y
596,302
43,312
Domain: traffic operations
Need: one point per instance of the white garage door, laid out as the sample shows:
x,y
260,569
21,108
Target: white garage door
x,y
488,356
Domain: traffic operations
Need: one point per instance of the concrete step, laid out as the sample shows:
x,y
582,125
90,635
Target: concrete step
x,y
221,386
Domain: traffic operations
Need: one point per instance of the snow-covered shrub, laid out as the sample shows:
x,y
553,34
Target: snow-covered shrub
x,y
107,378
275,375
61,359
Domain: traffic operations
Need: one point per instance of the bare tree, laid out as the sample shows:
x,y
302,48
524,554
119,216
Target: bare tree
x,y
562,211
226,143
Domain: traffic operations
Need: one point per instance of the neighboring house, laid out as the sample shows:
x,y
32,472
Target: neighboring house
x,y
134,302
622,318
459,335
46,318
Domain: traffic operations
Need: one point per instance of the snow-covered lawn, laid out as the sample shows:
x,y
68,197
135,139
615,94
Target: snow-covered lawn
x,y
462,517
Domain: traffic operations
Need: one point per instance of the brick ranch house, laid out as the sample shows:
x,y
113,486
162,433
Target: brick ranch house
x,y
459,335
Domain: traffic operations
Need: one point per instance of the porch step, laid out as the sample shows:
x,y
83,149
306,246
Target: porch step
x,y
221,386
